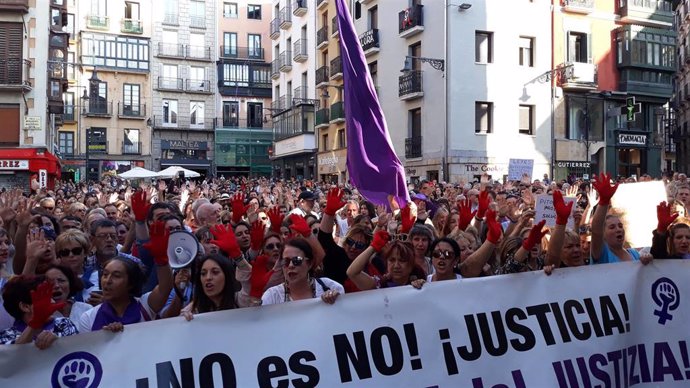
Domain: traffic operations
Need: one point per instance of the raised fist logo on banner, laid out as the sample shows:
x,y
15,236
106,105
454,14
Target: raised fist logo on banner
x,y
665,294
77,370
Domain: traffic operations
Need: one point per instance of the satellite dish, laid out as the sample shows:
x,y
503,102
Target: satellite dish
x,y
182,248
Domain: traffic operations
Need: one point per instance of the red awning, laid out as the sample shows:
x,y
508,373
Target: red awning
x,y
38,159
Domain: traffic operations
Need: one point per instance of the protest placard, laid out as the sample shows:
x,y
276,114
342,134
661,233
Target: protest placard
x,y
519,167
544,210
637,202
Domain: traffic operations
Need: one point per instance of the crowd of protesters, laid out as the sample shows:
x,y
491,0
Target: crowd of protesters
x,y
87,257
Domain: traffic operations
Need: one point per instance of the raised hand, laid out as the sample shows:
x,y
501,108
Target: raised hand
x,y
603,186
260,276
276,218
256,234
535,236
562,210
298,224
494,229
381,238
407,219
238,208
664,216
225,240
334,201
140,205
483,203
158,243
465,214
42,305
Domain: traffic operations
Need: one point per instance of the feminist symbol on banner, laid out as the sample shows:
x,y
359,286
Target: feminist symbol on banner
x,y
665,294
77,369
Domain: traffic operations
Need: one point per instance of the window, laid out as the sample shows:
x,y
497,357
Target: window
x,y
68,101
131,10
66,142
483,112
196,113
71,72
415,122
131,142
324,142
526,51
255,114
254,11
98,7
229,44
579,49
197,46
98,98
122,52
11,43
170,16
197,14
197,79
483,47
527,119
254,46
131,100
231,114
70,27
229,10
373,17
235,75
341,138
170,112
374,71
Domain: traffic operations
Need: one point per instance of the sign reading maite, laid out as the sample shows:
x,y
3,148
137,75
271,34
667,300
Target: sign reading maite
x,y
6,164
32,123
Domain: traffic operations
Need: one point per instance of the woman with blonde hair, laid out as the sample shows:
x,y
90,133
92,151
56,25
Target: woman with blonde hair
x,y
440,221
72,248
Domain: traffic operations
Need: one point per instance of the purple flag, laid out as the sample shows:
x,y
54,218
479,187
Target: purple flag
x,y
374,167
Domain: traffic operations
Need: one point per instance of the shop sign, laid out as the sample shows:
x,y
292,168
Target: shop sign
x,y
410,171
572,164
9,164
183,145
42,178
328,161
632,139
32,123
488,168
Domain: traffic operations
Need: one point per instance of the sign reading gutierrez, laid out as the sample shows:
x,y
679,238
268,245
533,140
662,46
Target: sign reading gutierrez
x,y
609,325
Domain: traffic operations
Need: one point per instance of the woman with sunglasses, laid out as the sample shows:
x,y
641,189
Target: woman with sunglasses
x,y
72,248
445,256
298,264
214,287
66,285
264,271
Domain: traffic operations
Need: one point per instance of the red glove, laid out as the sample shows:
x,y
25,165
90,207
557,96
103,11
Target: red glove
x,y
158,242
535,236
226,241
664,217
140,206
43,306
483,204
256,234
260,276
465,214
334,201
406,219
494,229
276,219
562,210
604,188
299,225
381,238
238,208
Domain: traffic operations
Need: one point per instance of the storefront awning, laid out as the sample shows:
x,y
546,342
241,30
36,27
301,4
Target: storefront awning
x,y
37,158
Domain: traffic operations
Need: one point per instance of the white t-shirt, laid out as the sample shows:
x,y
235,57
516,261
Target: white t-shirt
x,y
86,320
276,294
78,309
429,277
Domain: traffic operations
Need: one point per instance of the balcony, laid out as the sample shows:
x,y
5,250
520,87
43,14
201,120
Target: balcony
x,y
200,53
171,19
285,59
14,74
131,148
285,17
322,37
322,118
321,4
300,53
410,85
172,50
275,69
413,147
21,6
411,21
579,76
579,6
646,12
284,104
98,108
334,27
131,26
130,111
275,29
300,96
321,76
642,82
68,114
202,86
337,113
234,52
97,22
336,68
197,22
183,123
299,7
234,122
167,83
370,42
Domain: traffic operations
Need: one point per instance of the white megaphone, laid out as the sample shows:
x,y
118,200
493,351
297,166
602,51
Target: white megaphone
x,y
182,248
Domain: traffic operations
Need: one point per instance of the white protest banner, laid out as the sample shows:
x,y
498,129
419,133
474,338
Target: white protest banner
x,y
519,167
609,325
637,203
544,210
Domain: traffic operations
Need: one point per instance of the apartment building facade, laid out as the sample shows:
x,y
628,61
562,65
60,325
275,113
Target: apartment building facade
x,y
30,92
294,107
243,136
183,78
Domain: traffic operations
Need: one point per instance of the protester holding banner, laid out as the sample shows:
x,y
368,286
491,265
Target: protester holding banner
x,y
214,287
671,238
66,286
445,256
518,254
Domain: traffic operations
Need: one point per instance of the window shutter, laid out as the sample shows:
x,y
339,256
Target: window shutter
x,y
570,47
589,48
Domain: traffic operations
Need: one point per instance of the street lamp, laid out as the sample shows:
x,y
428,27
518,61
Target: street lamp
x,y
438,64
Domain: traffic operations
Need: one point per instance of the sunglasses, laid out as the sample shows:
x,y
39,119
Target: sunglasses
x,y
447,255
356,244
75,252
272,246
295,260
48,207
402,237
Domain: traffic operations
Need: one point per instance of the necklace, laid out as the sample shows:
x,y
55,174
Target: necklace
x,y
286,286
